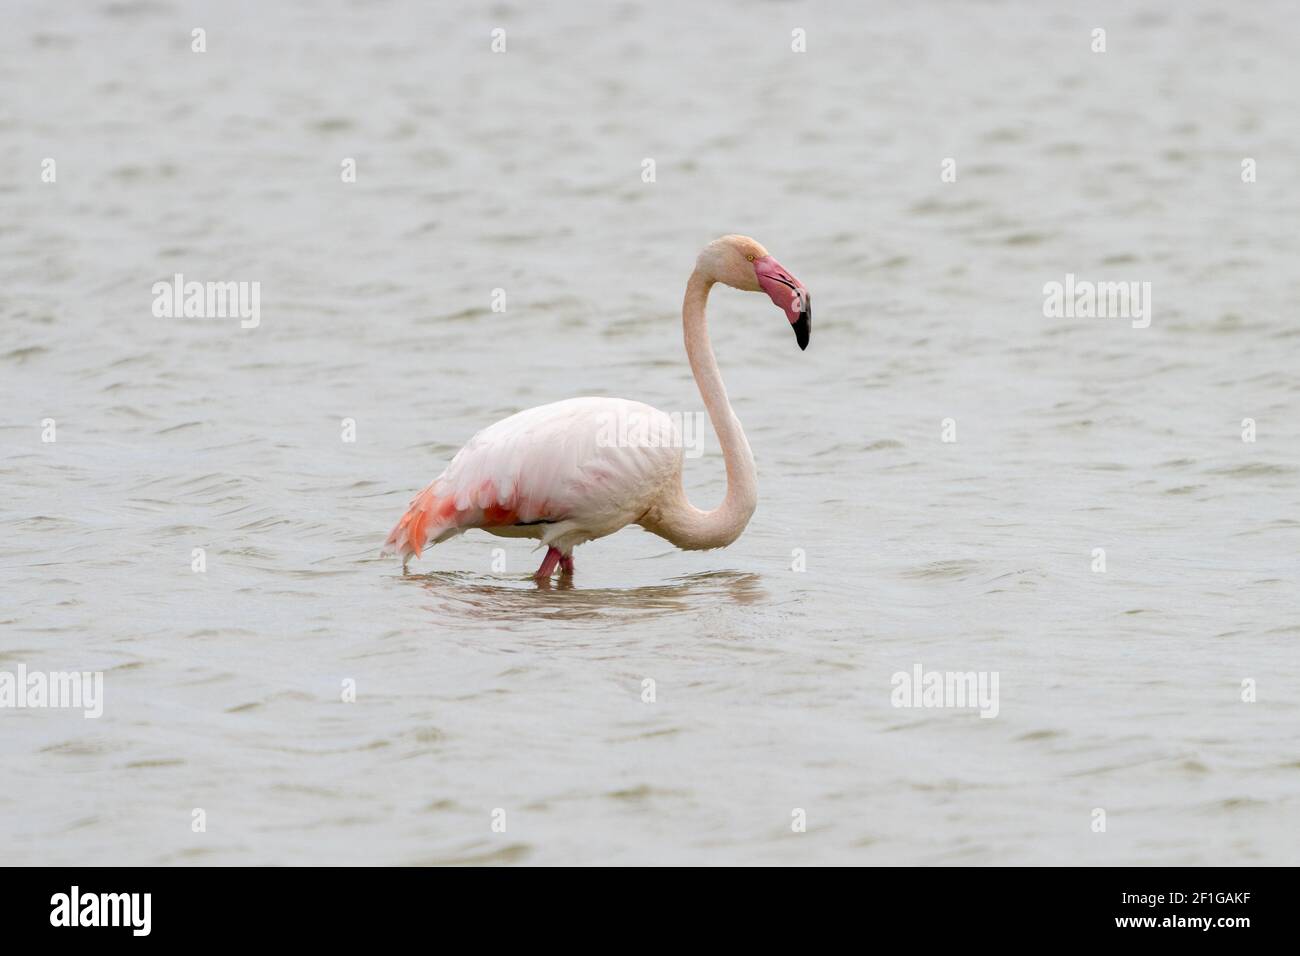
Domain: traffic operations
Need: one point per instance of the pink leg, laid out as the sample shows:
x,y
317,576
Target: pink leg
x,y
553,557
566,564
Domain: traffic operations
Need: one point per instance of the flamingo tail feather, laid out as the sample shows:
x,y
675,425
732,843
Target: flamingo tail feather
x,y
425,518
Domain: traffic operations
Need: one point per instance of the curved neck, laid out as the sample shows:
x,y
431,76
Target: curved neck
x,y
677,519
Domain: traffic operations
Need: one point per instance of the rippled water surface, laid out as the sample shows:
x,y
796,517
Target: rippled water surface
x,y
522,171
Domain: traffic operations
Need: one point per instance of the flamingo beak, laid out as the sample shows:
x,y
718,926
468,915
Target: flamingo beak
x,y
789,294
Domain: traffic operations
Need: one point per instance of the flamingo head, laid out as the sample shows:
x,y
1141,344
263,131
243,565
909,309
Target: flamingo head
x,y
743,263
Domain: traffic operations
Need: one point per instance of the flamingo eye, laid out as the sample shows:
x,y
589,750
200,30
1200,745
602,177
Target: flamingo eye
x,y
750,257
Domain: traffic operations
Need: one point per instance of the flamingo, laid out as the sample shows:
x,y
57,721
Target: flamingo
x,y
554,473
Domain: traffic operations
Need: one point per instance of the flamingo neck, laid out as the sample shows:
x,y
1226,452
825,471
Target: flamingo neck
x,y
677,519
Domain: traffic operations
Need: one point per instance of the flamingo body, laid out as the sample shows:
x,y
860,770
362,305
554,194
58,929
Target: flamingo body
x,y
556,473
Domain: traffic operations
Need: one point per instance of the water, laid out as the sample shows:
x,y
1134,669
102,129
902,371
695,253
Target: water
x,y
522,171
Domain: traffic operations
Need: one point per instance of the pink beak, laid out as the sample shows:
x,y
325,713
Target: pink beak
x,y
789,294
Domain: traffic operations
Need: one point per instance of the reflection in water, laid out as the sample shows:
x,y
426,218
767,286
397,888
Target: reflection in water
x,y
473,599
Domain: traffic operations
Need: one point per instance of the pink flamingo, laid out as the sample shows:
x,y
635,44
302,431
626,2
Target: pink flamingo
x,y
566,473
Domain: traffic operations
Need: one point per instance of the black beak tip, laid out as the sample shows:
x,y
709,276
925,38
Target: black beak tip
x,y
803,330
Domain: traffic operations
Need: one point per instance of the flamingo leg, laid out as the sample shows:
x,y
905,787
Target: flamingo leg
x,y
566,564
553,557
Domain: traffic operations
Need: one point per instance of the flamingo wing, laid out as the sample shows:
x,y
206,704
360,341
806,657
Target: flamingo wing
x,y
565,472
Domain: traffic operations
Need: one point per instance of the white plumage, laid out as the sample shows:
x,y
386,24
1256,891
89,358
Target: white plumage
x,y
563,473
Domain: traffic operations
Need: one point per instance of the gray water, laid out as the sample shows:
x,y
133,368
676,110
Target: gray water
x,y
475,690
